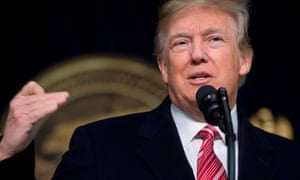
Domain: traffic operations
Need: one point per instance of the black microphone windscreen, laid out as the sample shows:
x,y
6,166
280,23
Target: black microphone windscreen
x,y
208,103
203,92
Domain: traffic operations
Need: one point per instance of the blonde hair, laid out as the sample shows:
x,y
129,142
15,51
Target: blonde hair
x,y
238,9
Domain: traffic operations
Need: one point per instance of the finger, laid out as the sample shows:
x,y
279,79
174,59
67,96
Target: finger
x,y
34,107
31,88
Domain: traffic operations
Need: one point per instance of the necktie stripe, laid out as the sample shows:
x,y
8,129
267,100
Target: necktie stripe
x,y
209,166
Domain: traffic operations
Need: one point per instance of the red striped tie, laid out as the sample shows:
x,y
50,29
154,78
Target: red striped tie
x,y
209,166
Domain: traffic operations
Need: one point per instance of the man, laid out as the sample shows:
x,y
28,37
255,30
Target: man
x,y
198,43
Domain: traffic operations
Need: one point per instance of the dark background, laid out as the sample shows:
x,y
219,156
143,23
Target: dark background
x,y
38,34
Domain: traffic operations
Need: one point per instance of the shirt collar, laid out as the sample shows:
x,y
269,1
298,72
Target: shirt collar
x,y
188,127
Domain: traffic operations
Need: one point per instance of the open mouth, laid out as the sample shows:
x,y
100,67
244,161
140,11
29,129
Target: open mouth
x,y
199,76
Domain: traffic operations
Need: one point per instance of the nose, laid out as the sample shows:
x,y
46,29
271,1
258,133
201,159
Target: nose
x,y
198,53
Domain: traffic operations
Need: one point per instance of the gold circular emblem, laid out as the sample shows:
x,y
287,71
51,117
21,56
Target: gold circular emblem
x,y
99,87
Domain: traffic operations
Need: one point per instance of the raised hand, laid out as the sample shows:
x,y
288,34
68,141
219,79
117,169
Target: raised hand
x,y
29,105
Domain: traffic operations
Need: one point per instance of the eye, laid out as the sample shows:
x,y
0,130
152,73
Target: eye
x,y
179,45
216,41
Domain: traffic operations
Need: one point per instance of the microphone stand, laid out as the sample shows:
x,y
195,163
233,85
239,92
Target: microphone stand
x,y
229,134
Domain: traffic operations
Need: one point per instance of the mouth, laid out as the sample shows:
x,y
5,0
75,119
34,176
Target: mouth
x,y
199,78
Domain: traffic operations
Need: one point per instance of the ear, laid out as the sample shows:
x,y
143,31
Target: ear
x,y
246,62
162,64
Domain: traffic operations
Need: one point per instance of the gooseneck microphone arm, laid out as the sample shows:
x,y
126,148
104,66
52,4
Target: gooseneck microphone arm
x,y
214,105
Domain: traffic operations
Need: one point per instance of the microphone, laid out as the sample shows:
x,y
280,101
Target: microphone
x,y
214,105
209,103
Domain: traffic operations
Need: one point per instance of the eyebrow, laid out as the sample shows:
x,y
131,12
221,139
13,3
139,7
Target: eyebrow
x,y
213,31
177,35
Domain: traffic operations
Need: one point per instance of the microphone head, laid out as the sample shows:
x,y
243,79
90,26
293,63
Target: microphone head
x,y
209,105
205,91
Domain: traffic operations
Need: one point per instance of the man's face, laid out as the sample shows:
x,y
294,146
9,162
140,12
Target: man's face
x,y
201,48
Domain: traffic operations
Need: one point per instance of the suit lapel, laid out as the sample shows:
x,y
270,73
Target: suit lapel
x,y
160,146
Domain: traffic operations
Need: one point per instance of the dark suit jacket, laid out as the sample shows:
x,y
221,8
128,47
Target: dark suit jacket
x,y
20,166
146,146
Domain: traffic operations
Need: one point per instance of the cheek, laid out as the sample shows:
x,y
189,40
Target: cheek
x,y
173,66
178,61
233,65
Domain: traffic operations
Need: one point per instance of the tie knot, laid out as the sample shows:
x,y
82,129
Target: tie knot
x,y
209,132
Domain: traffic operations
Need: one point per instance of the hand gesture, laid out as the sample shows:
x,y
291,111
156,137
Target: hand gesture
x,y
28,106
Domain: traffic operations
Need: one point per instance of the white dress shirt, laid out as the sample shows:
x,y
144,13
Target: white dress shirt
x,y
188,128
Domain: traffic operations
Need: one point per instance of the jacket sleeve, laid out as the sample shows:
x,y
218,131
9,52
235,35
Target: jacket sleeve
x,y
21,165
